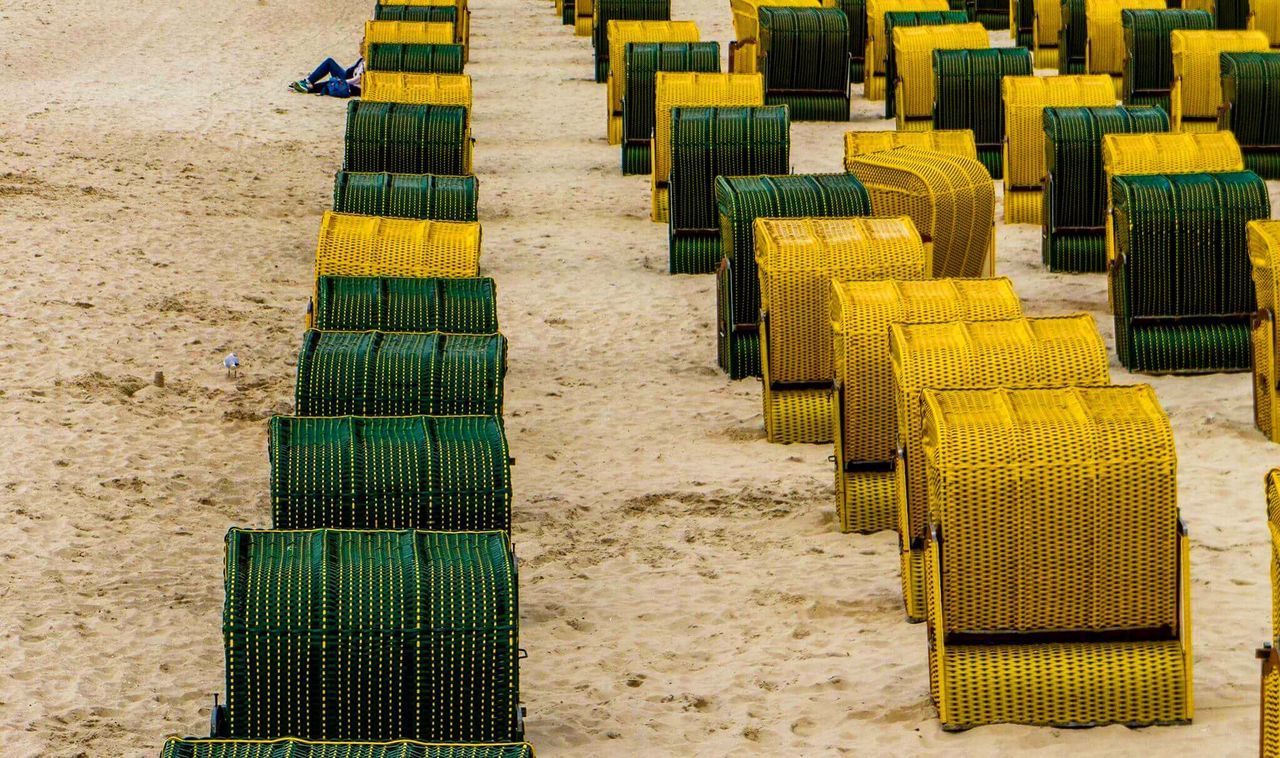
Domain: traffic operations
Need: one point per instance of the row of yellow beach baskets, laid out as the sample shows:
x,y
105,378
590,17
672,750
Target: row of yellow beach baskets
x,y
1035,501
378,617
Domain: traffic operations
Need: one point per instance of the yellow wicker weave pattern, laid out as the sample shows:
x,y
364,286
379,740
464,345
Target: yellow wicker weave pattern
x,y
353,245
1264,257
1105,51
422,89
674,89
1197,71
583,17
798,259
950,198
1270,742
877,54
953,141
746,14
1044,33
623,32
865,502
1264,17
794,415
1273,527
407,33
913,51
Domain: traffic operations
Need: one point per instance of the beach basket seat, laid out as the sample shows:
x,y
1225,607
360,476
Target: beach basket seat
x,y
1025,98
690,89
864,420
583,17
740,200
1049,603
911,69
424,13
894,20
416,10
445,473
622,34
1232,14
398,304
405,138
992,14
952,141
803,54
856,12
1060,351
1270,696
1264,16
967,95
707,143
880,38
1046,29
744,49
950,198
416,196
400,374
419,89
1182,292
288,747
419,59
1105,47
410,33
643,61
351,245
1073,232
335,634
1251,108
1022,19
1196,97
604,11
1148,62
1264,259
798,259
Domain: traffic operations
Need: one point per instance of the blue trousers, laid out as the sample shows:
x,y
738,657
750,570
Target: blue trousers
x,y
336,83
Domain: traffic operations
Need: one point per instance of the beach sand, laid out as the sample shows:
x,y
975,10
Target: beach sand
x,y
684,589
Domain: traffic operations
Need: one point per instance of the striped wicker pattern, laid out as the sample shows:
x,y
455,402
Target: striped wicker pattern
x,y
605,11
1045,32
1049,604
288,747
420,634
583,17
894,20
1265,17
642,62
407,138
420,89
1063,351
913,49
421,59
448,473
416,196
389,304
950,198
740,200
1073,38
1251,108
804,57
1025,98
1105,53
797,260
1197,71
1264,260
967,86
351,245
992,14
856,12
746,15
432,10
400,374
950,141
1270,721
1182,292
879,41
1148,63
1074,229
623,33
408,33
865,425
707,143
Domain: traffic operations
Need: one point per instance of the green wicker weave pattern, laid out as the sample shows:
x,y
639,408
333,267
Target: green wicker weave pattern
x,y
805,61
389,304
711,142
190,747
567,12
643,62
448,473
1148,63
420,196
1231,14
992,14
400,374
856,12
1251,93
1075,198
407,139
371,635
967,95
1073,38
621,10
1184,292
416,59
894,19
420,13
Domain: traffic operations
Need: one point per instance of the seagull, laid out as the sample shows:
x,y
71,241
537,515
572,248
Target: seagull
x,y
232,364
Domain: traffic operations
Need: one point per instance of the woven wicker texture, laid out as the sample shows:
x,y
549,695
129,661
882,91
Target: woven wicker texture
x,y
950,198
740,200
967,95
421,59
1075,207
1025,98
622,33
1197,70
1264,260
606,11
953,142
865,501
892,21
1182,291
1251,108
351,245
431,10
856,12
448,473
879,42
420,635
1265,17
400,374
642,62
1148,63
1073,38
1270,721
408,33
416,196
1045,32
422,89
804,57
1105,53
357,304
189,747
583,17
913,48
746,15
1272,485
407,138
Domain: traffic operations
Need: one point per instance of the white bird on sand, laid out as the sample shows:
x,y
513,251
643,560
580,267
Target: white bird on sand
x,y
232,364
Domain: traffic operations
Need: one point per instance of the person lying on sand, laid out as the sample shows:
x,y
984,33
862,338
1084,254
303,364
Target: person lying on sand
x,y
332,79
